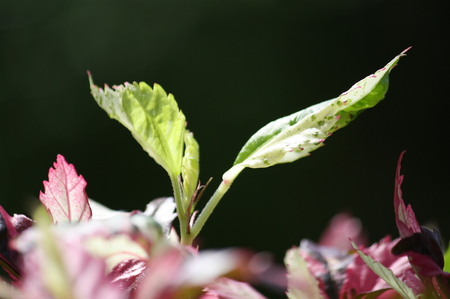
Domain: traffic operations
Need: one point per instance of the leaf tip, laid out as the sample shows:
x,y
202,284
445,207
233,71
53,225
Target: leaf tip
x,y
404,51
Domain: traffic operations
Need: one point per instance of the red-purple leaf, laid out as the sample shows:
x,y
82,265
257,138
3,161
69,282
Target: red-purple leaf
x,y
65,198
10,228
360,278
404,215
128,275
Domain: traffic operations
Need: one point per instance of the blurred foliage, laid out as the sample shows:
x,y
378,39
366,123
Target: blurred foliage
x,y
233,66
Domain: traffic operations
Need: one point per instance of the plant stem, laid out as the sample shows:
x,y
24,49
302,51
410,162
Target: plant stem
x,y
209,208
180,209
227,179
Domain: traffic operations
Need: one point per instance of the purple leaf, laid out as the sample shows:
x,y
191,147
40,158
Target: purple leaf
x,y
10,228
65,198
327,265
424,251
127,276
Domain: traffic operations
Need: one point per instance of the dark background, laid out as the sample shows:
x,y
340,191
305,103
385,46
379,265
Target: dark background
x,y
233,66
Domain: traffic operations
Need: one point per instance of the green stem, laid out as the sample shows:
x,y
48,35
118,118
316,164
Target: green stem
x,y
180,208
209,208
227,179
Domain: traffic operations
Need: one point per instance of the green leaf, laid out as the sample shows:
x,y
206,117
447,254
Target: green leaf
x,y
190,165
151,115
447,260
295,136
387,275
371,295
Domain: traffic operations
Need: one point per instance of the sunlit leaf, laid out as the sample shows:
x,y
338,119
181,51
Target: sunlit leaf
x,y
387,275
162,211
151,115
447,260
295,136
65,198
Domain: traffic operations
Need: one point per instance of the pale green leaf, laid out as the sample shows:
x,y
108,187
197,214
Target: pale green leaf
x,y
387,275
301,283
55,275
447,260
295,136
190,165
152,116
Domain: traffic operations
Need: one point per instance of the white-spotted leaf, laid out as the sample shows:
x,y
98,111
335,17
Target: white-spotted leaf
x,y
295,136
65,198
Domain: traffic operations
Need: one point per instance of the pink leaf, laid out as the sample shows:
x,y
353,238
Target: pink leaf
x,y
86,274
65,198
342,228
225,288
404,215
361,279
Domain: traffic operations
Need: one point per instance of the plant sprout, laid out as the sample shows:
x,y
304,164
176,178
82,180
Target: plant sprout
x,y
75,248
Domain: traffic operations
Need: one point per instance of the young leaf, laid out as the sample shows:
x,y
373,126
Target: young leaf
x,y
65,198
151,115
190,167
295,136
387,275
